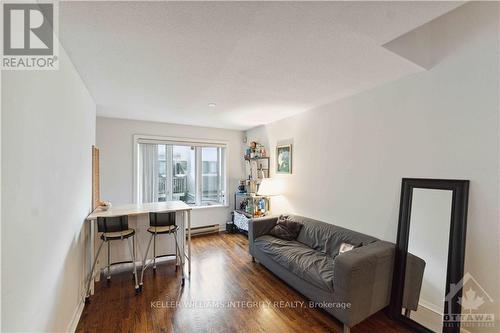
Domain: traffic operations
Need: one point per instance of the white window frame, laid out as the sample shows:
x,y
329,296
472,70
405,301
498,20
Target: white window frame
x,y
164,140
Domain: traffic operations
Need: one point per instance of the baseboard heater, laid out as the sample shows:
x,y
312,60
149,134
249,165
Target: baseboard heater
x,y
206,229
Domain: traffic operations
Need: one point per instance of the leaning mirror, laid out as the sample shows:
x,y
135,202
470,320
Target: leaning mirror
x,y
430,253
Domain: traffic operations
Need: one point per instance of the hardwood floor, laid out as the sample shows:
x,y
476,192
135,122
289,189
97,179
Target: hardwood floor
x,y
222,272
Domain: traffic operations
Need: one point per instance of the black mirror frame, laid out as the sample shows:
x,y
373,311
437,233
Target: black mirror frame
x,y
456,246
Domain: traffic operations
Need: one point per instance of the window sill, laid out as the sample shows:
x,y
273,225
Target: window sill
x,y
209,206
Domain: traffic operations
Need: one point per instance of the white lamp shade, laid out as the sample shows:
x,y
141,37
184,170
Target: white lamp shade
x,y
269,187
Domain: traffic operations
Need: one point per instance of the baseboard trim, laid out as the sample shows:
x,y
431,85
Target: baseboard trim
x,y
76,317
430,307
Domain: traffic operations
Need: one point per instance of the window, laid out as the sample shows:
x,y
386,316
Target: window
x,y
187,171
212,181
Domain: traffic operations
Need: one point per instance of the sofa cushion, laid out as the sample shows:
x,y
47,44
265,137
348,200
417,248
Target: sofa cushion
x,y
310,265
326,237
286,228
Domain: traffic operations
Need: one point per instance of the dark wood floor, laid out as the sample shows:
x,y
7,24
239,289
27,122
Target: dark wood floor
x,y
222,272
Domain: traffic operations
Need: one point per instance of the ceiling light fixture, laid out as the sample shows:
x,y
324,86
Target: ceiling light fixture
x,y
212,105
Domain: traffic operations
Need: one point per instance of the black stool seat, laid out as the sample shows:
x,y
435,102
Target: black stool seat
x,y
118,234
162,223
163,230
113,228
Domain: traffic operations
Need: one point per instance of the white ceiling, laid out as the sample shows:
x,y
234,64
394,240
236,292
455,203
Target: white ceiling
x,y
260,62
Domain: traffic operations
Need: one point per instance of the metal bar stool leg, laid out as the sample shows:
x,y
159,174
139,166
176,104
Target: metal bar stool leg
x,y
182,262
154,252
144,260
108,268
87,296
129,242
133,249
176,253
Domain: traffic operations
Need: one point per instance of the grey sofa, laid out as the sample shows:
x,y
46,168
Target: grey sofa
x,y
351,286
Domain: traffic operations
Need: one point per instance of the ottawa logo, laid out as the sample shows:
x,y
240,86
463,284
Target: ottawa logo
x,y
473,299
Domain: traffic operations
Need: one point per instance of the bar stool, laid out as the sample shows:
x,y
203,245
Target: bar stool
x,y
113,228
162,224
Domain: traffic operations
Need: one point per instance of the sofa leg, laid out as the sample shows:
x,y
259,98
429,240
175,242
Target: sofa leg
x,y
347,329
253,259
407,313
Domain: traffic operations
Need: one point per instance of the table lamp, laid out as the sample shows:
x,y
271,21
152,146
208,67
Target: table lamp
x,y
269,187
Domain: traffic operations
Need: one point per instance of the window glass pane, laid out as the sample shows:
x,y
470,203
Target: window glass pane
x,y
162,154
183,174
162,173
211,175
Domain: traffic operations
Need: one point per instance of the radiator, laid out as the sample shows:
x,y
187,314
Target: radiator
x,y
207,229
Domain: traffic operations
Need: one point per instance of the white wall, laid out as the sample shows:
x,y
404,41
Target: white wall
x,y
115,141
350,155
48,128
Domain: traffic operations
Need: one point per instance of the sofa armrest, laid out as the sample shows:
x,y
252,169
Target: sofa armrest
x,y
362,278
258,227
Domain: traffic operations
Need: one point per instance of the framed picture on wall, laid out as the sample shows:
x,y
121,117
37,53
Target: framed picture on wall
x,y
284,159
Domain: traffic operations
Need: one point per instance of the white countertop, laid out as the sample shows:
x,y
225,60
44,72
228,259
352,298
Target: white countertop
x,y
138,209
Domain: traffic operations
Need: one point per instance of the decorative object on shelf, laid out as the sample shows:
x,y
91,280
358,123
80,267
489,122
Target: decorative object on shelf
x,y
261,207
251,185
104,205
261,172
260,151
242,187
255,151
243,205
248,153
284,159
249,208
258,206
251,205
258,162
258,169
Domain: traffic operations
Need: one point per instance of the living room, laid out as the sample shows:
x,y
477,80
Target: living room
x,y
250,166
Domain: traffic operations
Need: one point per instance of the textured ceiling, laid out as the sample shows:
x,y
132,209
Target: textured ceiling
x,y
260,62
